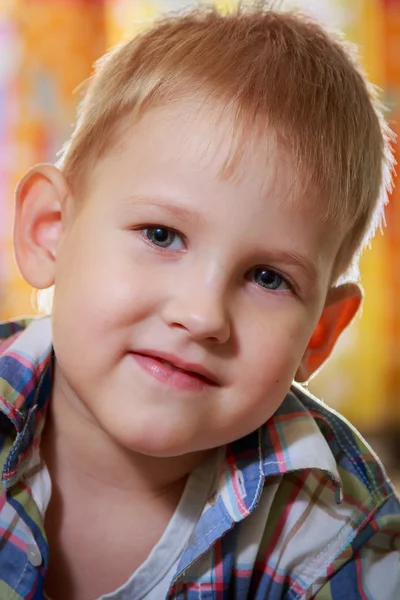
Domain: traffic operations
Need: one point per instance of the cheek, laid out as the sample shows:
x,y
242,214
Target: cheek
x,y
98,283
275,348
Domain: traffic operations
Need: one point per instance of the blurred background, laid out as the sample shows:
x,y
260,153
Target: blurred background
x,y
47,47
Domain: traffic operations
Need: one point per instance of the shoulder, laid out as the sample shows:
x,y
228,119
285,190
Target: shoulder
x,y
326,502
354,545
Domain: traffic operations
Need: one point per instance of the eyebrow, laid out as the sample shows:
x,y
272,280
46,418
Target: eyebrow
x,y
180,212
308,267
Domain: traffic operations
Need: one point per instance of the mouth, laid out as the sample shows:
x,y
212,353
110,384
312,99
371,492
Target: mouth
x,y
175,368
173,364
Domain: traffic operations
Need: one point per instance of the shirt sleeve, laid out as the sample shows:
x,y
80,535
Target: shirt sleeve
x,y
369,567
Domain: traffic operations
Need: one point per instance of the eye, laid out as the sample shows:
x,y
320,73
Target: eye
x,y
269,279
163,237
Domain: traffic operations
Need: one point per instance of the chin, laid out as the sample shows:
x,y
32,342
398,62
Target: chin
x,y
150,442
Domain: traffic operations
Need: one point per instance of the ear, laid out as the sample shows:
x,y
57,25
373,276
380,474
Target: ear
x,y
37,225
341,306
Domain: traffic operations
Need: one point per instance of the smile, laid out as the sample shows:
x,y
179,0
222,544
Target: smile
x,y
169,373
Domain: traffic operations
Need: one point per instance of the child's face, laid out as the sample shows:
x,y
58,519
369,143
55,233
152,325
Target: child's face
x,y
235,285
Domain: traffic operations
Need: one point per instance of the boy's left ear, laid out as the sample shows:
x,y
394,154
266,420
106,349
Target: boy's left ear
x,y
341,306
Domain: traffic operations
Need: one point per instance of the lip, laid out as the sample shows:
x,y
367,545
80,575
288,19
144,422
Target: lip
x,y
178,373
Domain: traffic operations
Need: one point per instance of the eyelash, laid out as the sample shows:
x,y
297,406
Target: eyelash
x,y
290,285
170,230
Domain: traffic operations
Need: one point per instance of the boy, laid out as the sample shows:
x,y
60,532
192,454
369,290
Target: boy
x,y
224,173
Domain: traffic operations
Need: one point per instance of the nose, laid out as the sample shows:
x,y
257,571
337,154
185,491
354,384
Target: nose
x,y
201,310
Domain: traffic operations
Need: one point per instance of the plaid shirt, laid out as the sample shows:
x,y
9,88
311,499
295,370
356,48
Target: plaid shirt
x,y
303,508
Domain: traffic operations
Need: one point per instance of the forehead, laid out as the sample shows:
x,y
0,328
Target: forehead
x,y
206,135
193,150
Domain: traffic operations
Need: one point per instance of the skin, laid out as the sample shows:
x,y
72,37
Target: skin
x,y
225,294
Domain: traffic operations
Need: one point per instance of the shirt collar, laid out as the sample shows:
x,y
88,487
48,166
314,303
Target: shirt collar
x,y
293,439
290,441
25,384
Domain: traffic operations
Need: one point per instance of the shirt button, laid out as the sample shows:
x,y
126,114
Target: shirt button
x,y
34,556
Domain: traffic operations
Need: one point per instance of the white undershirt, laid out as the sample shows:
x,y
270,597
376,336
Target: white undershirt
x,y
151,581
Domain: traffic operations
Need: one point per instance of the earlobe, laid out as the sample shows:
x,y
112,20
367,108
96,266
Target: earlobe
x,y
341,306
37,224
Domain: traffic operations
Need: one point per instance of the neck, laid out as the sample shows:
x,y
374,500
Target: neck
x,y
74,445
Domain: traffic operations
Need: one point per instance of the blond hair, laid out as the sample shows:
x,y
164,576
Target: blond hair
x,y
278,69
